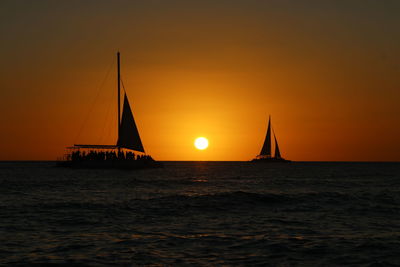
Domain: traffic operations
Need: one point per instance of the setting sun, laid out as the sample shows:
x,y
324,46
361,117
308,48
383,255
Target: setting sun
x,y
201,143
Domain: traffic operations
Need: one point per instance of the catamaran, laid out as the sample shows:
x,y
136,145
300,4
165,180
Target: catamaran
x,y
265,154
121,155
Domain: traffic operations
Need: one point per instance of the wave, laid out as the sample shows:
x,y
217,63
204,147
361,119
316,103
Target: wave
x,y
235,198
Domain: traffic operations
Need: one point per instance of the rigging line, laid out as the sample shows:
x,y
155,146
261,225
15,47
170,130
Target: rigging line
x,y
123,86
110,128
107,118
94,101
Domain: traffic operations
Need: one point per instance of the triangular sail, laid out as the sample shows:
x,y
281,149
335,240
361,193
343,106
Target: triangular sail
x,y
129,134
266,149
277,152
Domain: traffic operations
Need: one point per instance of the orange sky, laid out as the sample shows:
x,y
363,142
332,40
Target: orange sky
x,y
328,73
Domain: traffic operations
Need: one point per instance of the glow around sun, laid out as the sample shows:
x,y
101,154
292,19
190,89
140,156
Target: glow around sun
x,y
201,143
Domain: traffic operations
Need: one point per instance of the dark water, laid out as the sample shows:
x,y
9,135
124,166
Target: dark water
x,y
202,213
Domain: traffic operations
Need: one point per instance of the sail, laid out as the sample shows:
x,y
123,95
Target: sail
x,y
266,149
277,152
128,136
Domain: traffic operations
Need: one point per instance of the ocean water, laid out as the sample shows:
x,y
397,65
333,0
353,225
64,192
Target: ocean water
x,y
201,213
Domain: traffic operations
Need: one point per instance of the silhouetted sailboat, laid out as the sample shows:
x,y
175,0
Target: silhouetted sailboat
x,y
120,155
265,154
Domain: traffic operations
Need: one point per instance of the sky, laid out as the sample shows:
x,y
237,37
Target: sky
x,y
328,73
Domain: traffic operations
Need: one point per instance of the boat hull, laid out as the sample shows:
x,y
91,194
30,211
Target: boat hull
x,y
271,160
102,164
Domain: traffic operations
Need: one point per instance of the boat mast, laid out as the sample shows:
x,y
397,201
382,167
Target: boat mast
x,y
119,94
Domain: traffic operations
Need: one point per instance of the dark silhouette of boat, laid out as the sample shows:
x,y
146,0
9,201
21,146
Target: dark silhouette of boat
x,y
265,154
121,155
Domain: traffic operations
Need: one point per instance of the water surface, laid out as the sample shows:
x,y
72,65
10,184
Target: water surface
x,y
201,213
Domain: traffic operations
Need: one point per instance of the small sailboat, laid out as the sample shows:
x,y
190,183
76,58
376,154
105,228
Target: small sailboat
x,y
127,153
266,154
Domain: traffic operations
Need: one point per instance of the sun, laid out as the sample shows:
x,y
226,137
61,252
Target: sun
x,y
201,143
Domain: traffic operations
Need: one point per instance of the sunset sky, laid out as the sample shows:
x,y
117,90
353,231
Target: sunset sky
x,y
328,73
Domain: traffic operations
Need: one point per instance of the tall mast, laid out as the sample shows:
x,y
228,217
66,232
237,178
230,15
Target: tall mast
x,y
119,94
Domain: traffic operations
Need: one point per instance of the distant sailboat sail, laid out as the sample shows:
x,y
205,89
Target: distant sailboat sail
x,y
266,149
129,135
277,152
265,154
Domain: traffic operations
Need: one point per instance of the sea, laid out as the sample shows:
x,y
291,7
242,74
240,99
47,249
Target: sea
x,y
201,214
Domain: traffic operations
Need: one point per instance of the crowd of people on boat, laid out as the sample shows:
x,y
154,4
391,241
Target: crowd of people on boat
x,y
95,155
